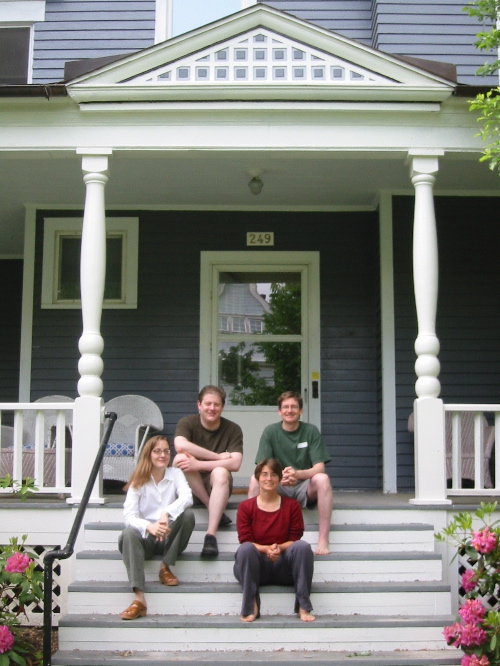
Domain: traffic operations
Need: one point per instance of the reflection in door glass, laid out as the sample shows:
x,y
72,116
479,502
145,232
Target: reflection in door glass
x,y
255,373
259,307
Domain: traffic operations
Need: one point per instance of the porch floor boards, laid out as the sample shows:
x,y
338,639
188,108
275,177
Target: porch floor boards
x,y
343,499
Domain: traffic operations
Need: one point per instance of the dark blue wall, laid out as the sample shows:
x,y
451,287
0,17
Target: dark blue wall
x,y
468,317
154,350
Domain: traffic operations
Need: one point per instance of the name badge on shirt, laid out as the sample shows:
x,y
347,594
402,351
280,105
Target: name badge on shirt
x,y
302,445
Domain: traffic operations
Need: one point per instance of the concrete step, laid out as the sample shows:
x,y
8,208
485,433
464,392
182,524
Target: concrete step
x,y
336,567
210,633
243,657
193,599
368,538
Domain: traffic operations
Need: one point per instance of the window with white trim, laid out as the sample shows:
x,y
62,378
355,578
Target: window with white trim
x,y
17,20
175,17
61,263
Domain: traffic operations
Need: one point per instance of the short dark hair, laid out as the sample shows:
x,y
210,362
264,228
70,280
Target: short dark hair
x,y
274,464
216,390
290,394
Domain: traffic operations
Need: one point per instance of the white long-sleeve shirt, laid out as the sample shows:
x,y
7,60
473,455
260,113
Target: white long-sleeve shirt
x,y
144,505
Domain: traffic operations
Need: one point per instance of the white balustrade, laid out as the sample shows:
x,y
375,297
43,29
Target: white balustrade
x,y
472,431
37,445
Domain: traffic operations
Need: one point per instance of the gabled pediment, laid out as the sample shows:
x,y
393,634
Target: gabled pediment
x,y
262,57
259,53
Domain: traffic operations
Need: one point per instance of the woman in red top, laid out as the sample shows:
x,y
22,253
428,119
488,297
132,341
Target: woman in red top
x,y
271,553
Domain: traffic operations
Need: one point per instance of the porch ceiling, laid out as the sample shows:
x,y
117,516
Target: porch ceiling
x,y
193,179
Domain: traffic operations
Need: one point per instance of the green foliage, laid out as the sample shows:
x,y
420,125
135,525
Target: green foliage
x,y
22,490
488,105
20,585
477,631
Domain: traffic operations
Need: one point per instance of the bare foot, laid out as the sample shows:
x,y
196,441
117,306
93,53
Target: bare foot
x,y
254,615
305,616
248,618
323,548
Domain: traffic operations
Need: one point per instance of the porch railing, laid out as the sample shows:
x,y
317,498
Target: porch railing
x,y
472,432
68,550
35,441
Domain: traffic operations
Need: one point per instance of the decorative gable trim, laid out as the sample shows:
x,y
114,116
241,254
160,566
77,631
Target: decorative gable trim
x,y
262,57
295,61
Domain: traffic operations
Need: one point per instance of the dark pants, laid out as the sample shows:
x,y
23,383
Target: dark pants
x,y
294,567
135,549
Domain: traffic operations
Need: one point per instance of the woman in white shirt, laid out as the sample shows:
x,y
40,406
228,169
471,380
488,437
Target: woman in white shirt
x,y
158,520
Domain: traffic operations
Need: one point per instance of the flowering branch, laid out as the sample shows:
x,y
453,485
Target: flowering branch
x,y
19,582
477,631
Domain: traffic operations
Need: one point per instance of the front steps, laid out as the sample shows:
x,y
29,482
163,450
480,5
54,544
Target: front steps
x,y
378,597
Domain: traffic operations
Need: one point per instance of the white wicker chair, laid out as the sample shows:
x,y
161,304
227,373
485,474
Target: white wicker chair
x,y
7,435
137,418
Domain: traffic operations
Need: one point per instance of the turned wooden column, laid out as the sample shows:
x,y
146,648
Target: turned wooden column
x,y
430,456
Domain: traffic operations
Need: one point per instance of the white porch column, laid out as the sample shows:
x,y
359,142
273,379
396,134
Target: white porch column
x,y
430,462
89,407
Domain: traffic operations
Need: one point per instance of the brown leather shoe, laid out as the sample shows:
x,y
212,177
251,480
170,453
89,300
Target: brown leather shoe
x,y
167,577
136,609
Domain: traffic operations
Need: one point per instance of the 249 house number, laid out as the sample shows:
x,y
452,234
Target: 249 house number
x,y
260,238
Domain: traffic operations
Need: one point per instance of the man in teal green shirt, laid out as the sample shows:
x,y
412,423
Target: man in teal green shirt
x,y
301,451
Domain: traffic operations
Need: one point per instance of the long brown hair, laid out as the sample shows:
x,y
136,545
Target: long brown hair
x,y
142,473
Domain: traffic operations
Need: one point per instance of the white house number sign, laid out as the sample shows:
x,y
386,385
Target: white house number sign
x,y
260,238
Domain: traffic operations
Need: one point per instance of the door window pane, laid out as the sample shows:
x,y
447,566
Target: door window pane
x,y
260,307
257,373
256,304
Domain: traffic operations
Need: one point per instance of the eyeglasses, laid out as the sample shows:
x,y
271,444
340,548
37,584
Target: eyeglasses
x,y
159,452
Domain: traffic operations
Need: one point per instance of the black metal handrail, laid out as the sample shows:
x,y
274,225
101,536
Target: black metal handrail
x,y
67,551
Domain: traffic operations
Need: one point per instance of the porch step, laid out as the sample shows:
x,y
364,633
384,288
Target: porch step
x,y
244,657
336,567
222,633
379,598
369,538
192,599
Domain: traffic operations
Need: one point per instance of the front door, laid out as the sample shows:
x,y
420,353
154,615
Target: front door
x,y
260,336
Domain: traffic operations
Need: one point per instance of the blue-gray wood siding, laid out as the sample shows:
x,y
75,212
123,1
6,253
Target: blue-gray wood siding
x,y
468,315
438,31
89,29
422,29
350,18
154,350
11,279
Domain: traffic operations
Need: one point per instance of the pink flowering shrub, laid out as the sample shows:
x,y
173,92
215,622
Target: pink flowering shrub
x,y
17,563
19,582
477,631
6,639
484,541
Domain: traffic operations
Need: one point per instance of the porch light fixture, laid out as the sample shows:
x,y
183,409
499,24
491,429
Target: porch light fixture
x,y
255,185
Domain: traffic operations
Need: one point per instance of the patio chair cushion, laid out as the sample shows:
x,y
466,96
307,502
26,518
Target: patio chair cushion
x,y
120,449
